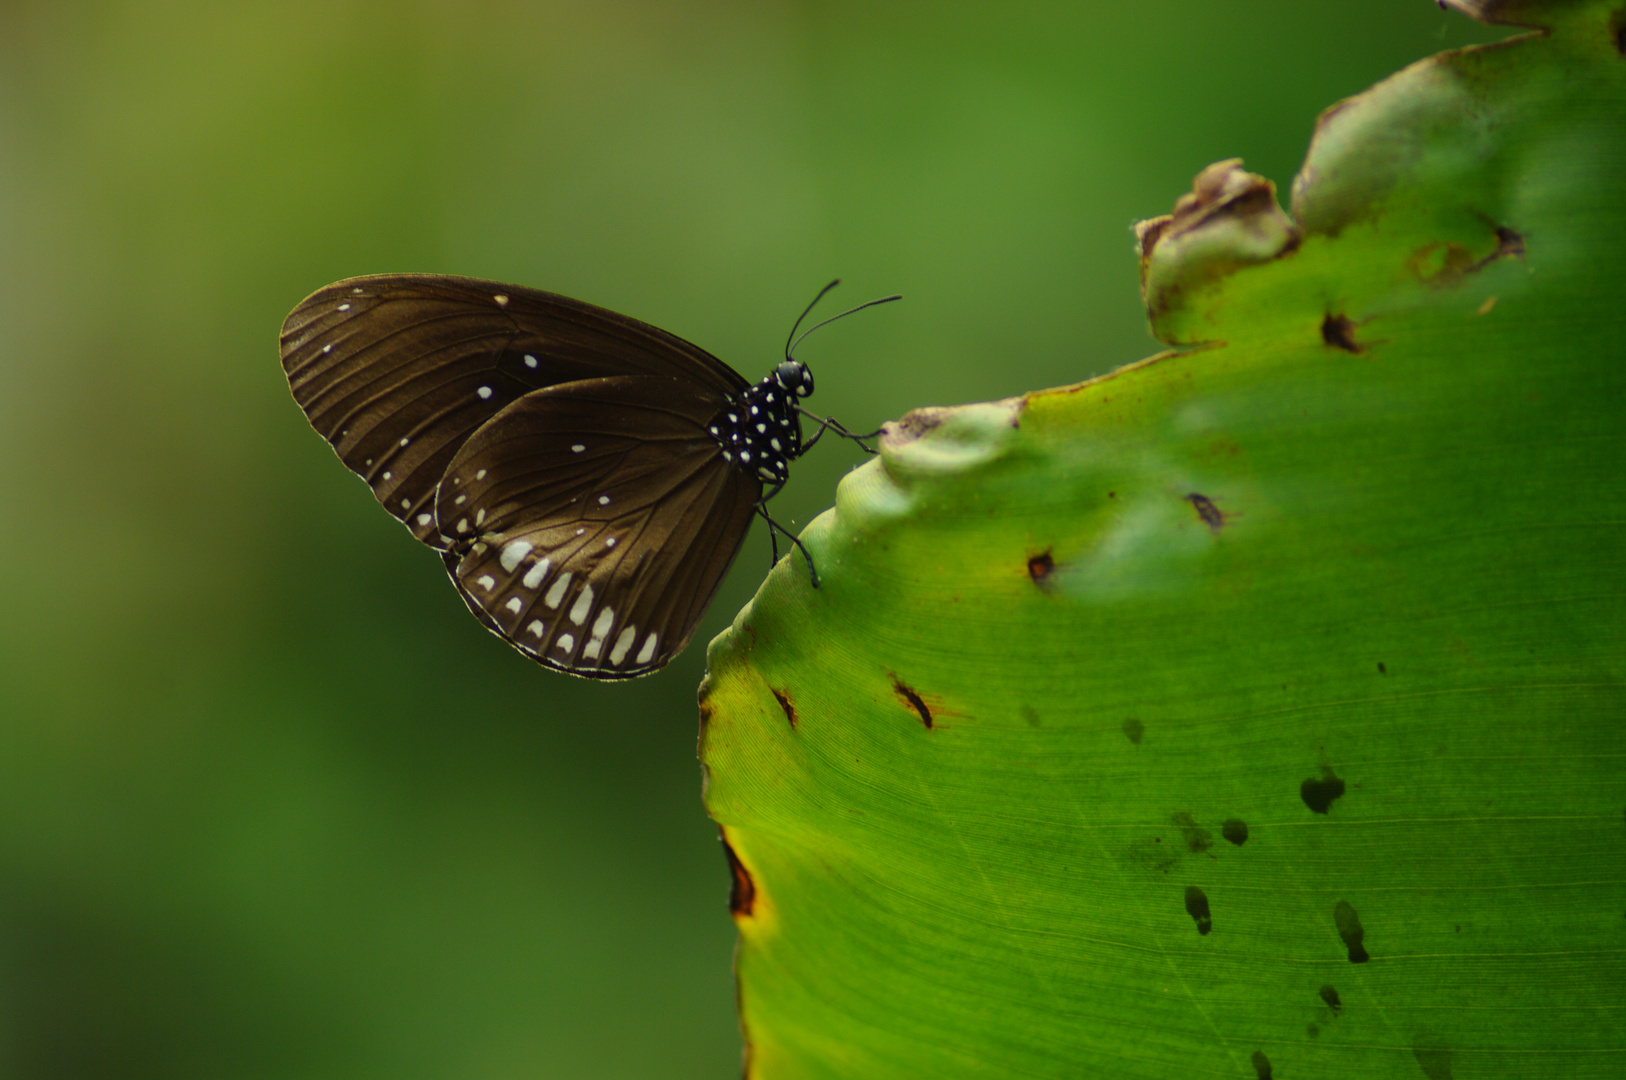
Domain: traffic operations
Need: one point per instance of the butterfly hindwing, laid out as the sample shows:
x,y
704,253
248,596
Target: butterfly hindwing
x,y
591,523
397,371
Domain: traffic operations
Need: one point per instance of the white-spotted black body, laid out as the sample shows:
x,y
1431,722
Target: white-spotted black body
x,y
761,431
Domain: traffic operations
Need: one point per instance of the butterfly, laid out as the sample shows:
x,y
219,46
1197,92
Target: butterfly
x,y
587,478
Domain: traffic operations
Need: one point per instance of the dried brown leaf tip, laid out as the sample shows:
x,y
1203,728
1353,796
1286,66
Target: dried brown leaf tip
x,y
1531,13
1229,218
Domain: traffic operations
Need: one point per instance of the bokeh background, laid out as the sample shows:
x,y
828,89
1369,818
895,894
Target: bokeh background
x,y
271,803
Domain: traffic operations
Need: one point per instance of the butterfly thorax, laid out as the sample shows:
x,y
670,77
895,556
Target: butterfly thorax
x,y
761,430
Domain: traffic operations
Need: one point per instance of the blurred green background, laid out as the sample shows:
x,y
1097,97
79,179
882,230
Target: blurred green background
x,y
271,803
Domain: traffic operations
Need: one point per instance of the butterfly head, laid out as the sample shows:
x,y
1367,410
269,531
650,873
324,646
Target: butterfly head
x,y
795,378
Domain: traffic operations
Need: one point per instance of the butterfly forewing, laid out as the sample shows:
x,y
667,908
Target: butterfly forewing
x,y
592,522
398,371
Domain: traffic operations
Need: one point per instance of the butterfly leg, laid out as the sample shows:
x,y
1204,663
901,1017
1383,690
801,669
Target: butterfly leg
x,y
773,534
830,423
774,527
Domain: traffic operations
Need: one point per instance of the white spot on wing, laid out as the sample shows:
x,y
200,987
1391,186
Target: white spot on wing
x,y
479,515
405,441
406,504
577,448
557,593
387,474
514,605
566,642
481,475
344,307
485,393
514,554
327,348
622,644
610,542
486,582
601,628
530,361
459,500
424,519
462,524
647,653
604,500
533,577
502,301
583,604
537,628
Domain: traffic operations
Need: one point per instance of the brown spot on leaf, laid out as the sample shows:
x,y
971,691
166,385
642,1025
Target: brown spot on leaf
x,y
1509,243
1211,515
783,697
1261,1064
1351,931
742,891
1134,729
1381,669
1197,908
1040,567
1338,331
1441,264
1198,839
1330,996
1235,830
912,698
913,424
1318,795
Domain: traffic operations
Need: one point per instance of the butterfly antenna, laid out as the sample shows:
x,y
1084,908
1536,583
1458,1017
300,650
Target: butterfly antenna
x,y
805,313
793,341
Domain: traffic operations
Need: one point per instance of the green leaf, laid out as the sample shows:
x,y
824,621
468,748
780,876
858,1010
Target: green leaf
x,y
1257,709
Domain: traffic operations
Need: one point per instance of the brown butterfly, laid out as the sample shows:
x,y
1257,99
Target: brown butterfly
x,y
588,478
